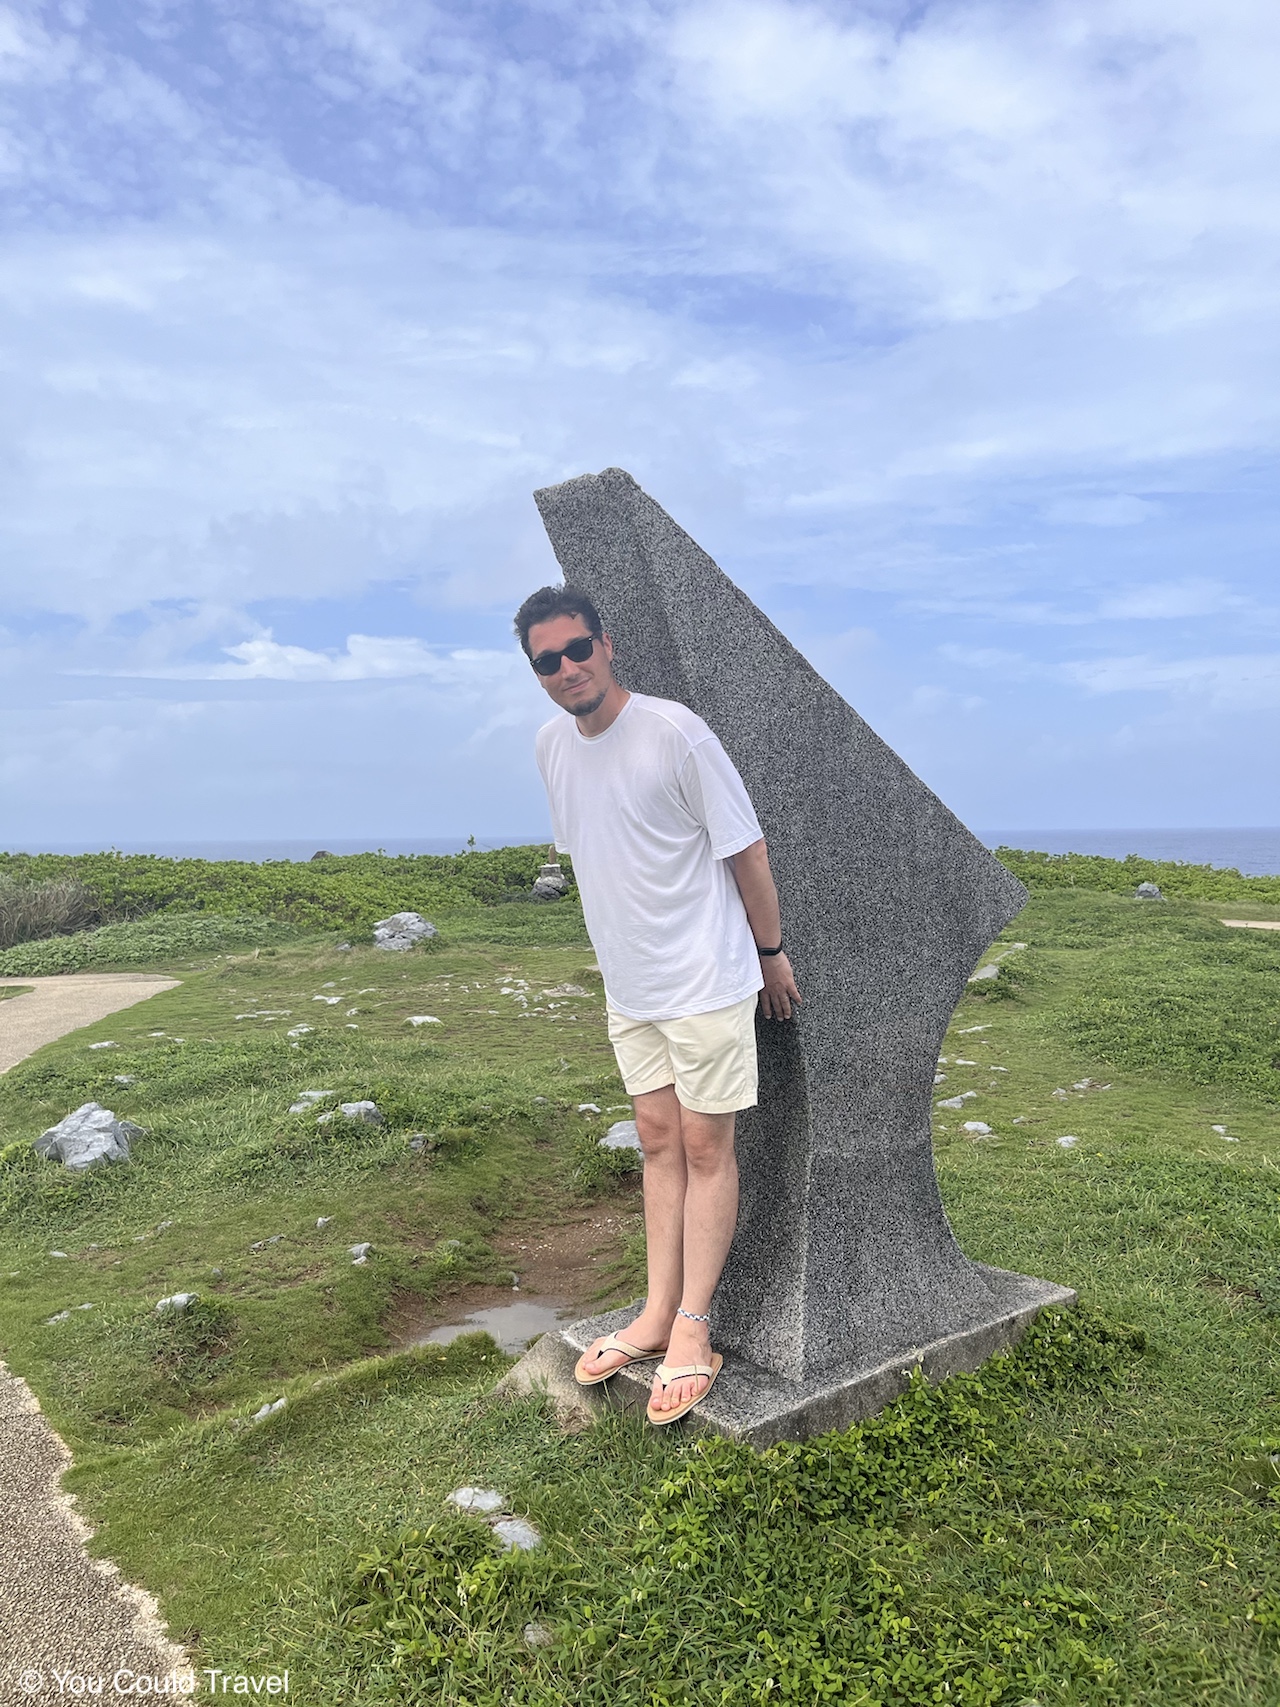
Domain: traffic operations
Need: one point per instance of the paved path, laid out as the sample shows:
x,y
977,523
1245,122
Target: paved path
x,y
1253,924
62,1612
58,1005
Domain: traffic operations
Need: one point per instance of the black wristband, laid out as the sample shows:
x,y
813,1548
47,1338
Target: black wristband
x,y
768,953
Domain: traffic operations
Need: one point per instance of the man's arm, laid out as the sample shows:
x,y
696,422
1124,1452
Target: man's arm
x,y
760,898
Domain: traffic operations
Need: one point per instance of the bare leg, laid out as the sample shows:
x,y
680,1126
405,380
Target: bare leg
x,y
658,1121
710,1215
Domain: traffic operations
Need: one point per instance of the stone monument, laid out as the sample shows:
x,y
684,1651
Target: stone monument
x,y
844,1273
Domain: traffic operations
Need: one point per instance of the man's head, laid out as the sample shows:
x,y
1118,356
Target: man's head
x,y
558,618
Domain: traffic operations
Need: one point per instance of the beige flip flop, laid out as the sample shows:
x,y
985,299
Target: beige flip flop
x,y
660,1419
614,1342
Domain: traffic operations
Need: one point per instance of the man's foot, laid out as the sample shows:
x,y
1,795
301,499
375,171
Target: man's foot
x,y
646,1333
690,1343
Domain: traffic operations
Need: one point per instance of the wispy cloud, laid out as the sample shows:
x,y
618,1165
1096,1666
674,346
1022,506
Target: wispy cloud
x,y
365,658
1245,681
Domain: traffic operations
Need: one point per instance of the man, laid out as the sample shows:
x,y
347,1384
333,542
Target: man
x,y
682,911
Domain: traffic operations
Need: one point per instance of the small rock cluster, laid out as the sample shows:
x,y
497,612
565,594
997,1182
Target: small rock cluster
x,y
367,1112
516,1534
65,1315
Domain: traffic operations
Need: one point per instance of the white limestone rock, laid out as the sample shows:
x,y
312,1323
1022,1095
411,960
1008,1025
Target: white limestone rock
x,y
622,1135
367,1112
88,1136
176,1302
307,1100
401,931
479,1501
517,1534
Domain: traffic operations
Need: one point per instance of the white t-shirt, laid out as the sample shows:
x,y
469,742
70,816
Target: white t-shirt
x,y
649,812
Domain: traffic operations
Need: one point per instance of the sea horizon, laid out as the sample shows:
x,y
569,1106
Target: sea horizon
x,y
1253,851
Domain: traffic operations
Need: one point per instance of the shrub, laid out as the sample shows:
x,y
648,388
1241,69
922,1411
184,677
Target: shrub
x,y
341,892
29,911
1122,876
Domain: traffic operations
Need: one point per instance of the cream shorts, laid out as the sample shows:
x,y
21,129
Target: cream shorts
x,y
709,1058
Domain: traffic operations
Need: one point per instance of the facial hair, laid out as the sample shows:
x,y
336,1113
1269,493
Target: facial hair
x,y
591,705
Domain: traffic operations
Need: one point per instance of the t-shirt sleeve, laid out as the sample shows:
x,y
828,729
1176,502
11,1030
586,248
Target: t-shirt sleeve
x,y
557,829
717,798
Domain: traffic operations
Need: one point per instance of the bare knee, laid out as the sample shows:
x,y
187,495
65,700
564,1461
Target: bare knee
x,y
658,1127
708,1144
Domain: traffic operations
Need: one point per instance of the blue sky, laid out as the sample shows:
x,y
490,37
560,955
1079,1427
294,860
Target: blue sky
x,y
949,329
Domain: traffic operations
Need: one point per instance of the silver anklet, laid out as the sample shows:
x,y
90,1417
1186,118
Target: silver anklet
x,y
690,1315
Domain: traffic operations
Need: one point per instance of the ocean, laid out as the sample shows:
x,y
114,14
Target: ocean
x,y
1256,852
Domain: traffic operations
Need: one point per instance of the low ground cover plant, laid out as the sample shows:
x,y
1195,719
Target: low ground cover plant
x,y
887,1562
1084,1521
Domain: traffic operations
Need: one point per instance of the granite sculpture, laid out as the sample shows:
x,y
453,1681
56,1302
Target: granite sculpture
x,y
844,1271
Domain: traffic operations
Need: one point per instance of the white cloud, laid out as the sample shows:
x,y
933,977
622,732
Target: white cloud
x,y
975,160
1240,682
366,658
1170,600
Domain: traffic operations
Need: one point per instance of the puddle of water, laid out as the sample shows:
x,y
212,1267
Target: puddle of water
x,y
512,1325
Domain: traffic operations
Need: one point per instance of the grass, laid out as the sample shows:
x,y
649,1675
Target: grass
x,y
211,1070
1090,1519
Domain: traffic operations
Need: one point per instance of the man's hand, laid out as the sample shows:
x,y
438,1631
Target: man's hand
x,y
779,993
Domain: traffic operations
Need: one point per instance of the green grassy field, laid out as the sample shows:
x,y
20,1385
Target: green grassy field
x,y
1090,1519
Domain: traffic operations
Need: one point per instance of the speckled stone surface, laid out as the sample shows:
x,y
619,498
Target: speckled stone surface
x,y
843,1260
759,1407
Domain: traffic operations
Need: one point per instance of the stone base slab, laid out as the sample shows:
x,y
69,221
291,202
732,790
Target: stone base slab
x,y
751,1405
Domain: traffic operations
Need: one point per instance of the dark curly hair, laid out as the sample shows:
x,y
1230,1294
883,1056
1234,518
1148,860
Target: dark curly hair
x,y
555,601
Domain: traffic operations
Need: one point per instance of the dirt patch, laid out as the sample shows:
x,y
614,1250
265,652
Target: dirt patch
x,y
1216,1283
573,1264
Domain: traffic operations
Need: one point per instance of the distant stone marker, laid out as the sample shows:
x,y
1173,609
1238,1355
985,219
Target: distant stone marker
x,y
844,1272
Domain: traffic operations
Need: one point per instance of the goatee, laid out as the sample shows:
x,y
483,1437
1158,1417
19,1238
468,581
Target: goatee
x,y
588,706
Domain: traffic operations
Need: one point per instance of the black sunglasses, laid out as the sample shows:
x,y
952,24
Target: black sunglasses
x,y
577,651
